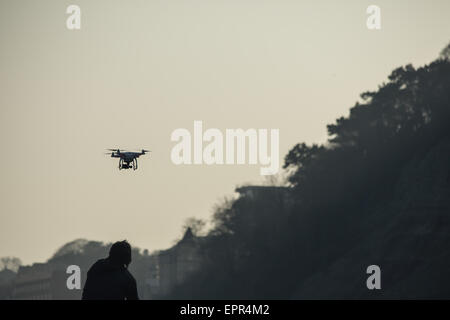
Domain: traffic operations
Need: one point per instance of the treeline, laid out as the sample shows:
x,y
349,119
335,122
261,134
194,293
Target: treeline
x,y
264,246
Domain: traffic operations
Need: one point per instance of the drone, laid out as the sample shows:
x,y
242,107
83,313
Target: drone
x,y
128,159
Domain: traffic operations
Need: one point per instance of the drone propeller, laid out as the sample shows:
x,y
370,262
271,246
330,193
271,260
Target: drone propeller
x,y
144,151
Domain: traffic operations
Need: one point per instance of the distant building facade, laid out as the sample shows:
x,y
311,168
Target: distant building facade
x,y
152,288
6,283
175,265
42,281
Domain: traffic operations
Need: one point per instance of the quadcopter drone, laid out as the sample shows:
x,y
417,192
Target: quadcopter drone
x,y
128,159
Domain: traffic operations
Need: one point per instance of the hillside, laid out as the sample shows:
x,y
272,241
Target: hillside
x,y
407,237
377,193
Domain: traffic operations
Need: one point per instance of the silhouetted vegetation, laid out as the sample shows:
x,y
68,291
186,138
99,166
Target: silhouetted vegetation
x,y
10,263
269,245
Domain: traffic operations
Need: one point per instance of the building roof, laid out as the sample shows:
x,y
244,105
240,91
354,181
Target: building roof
x,y
188,235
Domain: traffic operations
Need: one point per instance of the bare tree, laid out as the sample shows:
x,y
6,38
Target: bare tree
x,y
277,180
197,226
10,263
445,53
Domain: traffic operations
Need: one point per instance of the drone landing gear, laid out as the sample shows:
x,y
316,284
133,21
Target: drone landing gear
x,y
124,165
127,165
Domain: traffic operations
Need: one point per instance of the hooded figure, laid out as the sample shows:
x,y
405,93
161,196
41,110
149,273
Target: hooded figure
x,y
109,279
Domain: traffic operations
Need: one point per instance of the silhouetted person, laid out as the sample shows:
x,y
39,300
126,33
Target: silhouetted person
x,y
109,279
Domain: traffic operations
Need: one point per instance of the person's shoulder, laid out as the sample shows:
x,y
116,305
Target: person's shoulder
x,y
101,261
129,276
97,265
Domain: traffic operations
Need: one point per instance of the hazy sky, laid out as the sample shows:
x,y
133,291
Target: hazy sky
x,y
137,70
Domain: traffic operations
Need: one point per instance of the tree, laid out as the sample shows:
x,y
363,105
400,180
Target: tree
x,y
445,53
196,225
10,263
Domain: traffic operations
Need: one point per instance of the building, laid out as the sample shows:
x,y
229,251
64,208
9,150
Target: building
x,y
263,212
152,289
42,281
6,283
176,264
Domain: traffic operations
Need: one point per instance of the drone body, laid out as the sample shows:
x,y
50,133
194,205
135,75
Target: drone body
x,y
127,159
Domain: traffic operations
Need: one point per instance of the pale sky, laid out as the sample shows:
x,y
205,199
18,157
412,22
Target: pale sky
x,y
137,70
